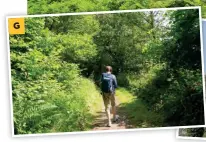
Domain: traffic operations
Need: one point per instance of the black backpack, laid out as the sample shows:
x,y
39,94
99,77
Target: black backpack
x,y
107,83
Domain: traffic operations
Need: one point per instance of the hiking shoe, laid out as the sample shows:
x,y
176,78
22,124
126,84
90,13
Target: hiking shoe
x,y
115,119
109,124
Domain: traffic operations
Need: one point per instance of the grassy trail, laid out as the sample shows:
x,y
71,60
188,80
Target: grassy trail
x,y
131,111
101,119
136,112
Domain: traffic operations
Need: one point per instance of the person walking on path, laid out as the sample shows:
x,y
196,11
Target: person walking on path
x,y
108,86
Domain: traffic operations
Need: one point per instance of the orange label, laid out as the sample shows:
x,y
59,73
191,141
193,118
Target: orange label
x,y
16,26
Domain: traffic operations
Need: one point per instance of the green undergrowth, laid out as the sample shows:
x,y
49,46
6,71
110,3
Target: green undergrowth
x,y
136,112
57,109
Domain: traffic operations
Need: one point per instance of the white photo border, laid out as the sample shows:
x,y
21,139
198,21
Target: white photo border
x,y
92,13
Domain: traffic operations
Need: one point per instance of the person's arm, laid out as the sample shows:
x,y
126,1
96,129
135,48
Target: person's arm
x,y
114,81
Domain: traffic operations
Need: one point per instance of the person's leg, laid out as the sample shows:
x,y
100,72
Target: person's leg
x,y
106,99
113,103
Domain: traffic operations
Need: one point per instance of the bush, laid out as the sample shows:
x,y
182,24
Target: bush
x,y
44,106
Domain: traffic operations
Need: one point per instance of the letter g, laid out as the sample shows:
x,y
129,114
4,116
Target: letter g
x,y
16,25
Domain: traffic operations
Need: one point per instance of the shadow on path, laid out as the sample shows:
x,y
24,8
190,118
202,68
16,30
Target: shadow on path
x,y
132,113
101,120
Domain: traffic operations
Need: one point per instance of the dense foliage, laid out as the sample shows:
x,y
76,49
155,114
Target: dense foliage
x,y
65,6
48,93
57,64
193,132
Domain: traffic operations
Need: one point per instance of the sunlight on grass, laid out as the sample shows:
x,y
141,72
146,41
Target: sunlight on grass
x,y
124,96
135,111
97,104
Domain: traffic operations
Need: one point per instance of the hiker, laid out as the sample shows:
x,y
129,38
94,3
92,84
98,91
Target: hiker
x,y
108,85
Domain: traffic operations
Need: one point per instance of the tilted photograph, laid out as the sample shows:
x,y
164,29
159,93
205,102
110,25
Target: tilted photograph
x,y
102,71
67,6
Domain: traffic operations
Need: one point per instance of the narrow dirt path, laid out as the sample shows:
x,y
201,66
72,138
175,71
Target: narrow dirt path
x,y
101,119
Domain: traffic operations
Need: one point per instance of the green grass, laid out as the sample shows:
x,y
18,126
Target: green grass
x,y
93,98
97,104
124,96
136,112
